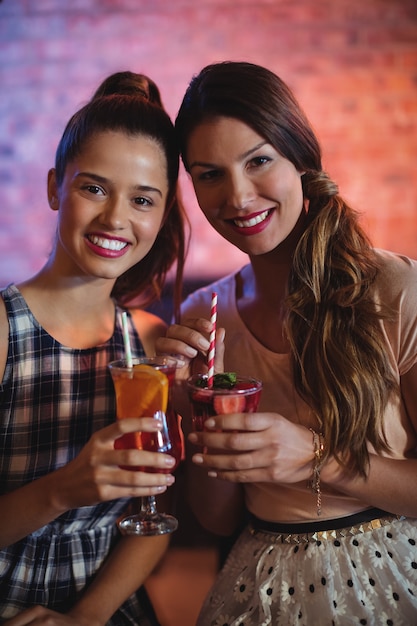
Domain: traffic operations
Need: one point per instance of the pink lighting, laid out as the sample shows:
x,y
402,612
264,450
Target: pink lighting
x,y
351,65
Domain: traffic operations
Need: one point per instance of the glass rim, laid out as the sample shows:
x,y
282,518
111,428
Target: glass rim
x,y
256,385
158,359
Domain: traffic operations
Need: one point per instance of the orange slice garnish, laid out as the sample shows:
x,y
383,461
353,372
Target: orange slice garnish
x,y
142,392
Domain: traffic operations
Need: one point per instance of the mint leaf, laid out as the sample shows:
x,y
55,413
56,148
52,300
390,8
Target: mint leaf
x,y
226,380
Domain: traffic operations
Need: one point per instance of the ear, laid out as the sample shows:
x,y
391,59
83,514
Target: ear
x,y
52,190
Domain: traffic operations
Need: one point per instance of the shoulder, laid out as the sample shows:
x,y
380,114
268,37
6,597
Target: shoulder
x,y
397,290
397,274
149,328
197,304
395,262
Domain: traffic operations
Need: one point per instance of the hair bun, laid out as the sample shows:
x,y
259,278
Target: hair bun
x,y
129,84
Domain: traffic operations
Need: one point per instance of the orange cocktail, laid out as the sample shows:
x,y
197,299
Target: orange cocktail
x,y
143,391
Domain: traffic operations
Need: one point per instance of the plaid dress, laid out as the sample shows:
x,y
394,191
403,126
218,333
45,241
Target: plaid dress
x,y
52,399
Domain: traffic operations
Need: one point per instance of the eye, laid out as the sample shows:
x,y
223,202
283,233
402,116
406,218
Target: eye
x,y
259,161
142,201
94,189
208,175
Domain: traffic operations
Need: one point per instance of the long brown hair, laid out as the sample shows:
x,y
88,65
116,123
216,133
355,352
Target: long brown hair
x,y
131,103
339,355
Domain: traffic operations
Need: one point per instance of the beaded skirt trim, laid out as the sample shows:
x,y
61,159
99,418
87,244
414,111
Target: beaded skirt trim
x,y
325,535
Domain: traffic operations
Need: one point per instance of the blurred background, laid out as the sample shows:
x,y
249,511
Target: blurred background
x,y
352,65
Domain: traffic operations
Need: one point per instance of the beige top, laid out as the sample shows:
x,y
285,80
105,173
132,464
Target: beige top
x,y
397,287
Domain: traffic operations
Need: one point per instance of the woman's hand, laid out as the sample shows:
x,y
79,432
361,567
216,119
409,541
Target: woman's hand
x,y
95,474
40,616
189,344
255,447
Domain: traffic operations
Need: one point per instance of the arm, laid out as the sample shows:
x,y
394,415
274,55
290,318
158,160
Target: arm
x,y
126,569
93,476
275,450
391,483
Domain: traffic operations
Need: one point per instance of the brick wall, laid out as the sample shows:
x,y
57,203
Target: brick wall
x,y
351,63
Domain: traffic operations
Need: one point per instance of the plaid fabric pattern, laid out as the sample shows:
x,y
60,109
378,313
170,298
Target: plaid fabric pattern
x,y
52,399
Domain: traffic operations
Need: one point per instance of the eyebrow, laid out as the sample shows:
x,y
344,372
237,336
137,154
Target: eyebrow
x,y
241,157
102,180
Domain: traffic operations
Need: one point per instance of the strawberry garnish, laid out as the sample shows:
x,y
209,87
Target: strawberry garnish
x,y
201,396
228,404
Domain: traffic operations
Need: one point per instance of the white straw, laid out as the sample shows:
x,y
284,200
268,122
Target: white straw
x,y
126,340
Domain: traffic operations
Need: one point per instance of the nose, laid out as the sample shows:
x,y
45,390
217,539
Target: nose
x,y
114,213
239,191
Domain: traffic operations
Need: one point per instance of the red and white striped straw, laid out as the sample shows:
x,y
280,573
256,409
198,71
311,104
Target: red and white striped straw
x,y
212,348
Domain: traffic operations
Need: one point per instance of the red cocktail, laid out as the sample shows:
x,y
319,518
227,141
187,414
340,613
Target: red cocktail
x,y
229,394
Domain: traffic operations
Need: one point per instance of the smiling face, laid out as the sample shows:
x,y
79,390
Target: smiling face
x,y
246,189
111,204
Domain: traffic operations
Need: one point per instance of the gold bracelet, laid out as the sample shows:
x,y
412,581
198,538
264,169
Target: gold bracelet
x,y
318,443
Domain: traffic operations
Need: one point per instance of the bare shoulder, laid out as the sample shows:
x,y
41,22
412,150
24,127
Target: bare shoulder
x,y
4,337
149,327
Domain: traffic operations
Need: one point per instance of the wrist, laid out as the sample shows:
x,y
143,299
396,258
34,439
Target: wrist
x,y
315,481
332,473
84,619
55,493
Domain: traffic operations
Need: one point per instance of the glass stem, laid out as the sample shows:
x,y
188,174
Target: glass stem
x,y
148,505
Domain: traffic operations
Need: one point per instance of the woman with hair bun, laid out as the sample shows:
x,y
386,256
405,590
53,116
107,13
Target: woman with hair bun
x,y
323,478
119,231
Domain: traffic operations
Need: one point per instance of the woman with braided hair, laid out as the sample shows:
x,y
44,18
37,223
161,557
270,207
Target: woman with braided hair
x,y
323,477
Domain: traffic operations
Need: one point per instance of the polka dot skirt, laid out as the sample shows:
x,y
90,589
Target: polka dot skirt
x,y
369,579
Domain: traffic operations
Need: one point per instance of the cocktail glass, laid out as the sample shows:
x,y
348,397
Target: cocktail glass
x,y
143,390
206,401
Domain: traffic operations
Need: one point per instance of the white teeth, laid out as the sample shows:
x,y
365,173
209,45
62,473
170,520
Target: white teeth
x,y
108,244
253,221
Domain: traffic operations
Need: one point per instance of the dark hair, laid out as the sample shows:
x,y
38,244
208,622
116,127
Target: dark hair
x,y
129,84
330,287
120,104
258,98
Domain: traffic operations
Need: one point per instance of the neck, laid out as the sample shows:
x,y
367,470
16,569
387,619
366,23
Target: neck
x,y
261,291
70,290
270,272
76,312
268,279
